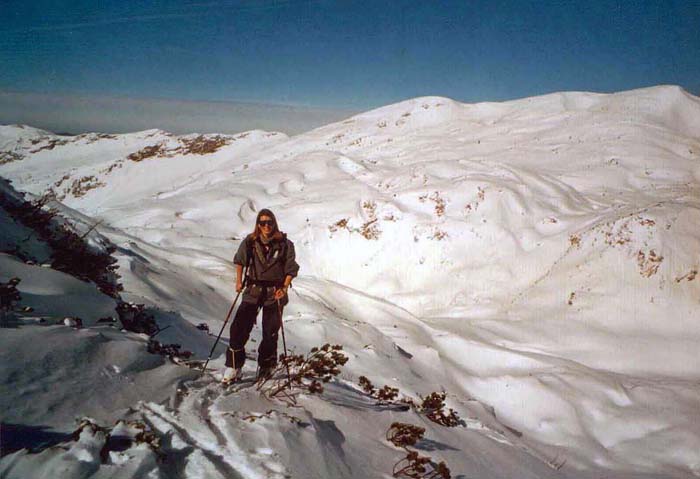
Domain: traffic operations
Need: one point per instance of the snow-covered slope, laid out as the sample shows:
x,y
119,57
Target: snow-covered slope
x,y
536,259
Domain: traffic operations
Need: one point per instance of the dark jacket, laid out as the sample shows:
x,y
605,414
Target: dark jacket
x,y
266,270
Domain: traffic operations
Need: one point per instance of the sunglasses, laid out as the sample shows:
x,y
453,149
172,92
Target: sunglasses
x,y
266,223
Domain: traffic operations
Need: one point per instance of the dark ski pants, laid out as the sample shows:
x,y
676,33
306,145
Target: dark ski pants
x,y
240,332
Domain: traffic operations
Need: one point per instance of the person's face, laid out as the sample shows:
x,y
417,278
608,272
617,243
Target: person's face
x,y
266,225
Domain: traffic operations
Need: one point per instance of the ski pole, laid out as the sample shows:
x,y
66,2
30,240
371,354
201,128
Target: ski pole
x,y
284,343
228,316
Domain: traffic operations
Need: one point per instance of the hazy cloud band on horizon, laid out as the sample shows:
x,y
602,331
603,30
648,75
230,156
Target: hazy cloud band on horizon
x,y
78,114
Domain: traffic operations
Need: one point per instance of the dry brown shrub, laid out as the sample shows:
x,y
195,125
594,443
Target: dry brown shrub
x,y
82,185
157,150
202,145
269,414
340,224
404,435
385,395
50,144
689,276
413,465
439,203
648,264
575,241
433,406
9,156
297,373
370,230
440,235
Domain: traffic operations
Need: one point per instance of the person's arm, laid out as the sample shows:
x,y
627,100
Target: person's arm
x,y
239,260
291,268
239,278
279,294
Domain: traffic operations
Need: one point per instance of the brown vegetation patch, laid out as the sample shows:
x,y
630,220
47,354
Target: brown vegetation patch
x,y
336,138
9,156
113,166
437,200
370,230
269,414
199,145
340,224
370,207
648,263
94,137
81,186
303,374
617,238
414,466
439,235
480,196
50,144
689,276
148,152
202,145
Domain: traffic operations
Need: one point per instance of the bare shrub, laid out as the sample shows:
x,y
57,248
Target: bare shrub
x,y
170,350
404,435
9,157
439,234
50,144
135,317
688,276
81,186
433,406
148,152
648,263
384,395
340,224
575,241
297,373
413,465
370,230
202,145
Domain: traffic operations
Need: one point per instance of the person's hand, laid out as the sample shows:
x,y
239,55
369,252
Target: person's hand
x,y
239,286
280,292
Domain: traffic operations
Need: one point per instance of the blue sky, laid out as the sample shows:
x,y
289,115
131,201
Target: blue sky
x,y
353,55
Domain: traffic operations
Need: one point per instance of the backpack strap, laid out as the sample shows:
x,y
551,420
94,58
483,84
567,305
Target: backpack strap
x,y
249,255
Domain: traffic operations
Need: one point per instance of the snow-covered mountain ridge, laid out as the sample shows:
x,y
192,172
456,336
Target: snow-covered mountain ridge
x,y
539,256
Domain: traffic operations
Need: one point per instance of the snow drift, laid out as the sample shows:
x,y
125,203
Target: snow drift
x,y
535,259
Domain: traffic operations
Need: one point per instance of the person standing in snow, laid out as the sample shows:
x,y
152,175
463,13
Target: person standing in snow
x,y
272,265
